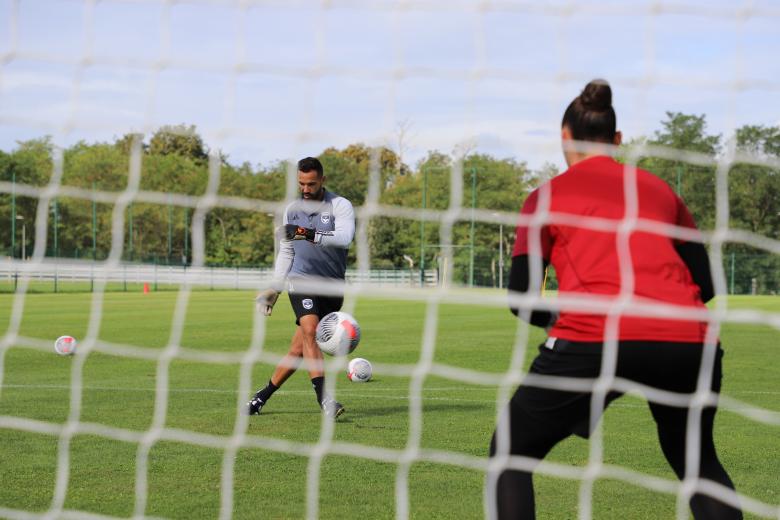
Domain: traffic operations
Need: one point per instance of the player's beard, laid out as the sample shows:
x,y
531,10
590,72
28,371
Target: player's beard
x,y
314,196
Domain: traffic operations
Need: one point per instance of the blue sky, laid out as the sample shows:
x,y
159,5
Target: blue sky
x,y
271,80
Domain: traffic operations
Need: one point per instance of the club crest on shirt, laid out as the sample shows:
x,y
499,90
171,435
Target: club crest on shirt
x,y
307,303
325,217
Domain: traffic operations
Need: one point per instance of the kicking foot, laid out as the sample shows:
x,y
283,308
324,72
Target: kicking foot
x,y
254,406
332,408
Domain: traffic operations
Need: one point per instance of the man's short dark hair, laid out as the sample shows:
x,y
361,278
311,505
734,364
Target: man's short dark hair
x,y
308,164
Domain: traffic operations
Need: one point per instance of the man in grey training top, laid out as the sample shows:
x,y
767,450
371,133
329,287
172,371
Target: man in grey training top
x,y
317,231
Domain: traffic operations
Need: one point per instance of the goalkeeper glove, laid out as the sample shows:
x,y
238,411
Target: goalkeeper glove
x,y
265,301
293,232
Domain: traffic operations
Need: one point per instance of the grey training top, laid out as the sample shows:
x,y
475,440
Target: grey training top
x,y
333,218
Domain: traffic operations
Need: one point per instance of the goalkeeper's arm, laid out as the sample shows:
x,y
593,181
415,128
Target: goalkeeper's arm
x,y
344,224
520,281
266,299
285,256
341,236
694,254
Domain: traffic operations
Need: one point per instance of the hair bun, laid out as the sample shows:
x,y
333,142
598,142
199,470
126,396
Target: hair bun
x,y
597,95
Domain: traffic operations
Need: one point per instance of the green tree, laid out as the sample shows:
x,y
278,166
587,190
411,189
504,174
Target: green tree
x,y
754,190
173,173
5,204
546,172
252,241
179,140
393,239
30,164
694,184
499,184
104,167
126,142
754,204
349,170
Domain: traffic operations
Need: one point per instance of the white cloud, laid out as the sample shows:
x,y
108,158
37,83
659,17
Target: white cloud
x,y
31,80
15,81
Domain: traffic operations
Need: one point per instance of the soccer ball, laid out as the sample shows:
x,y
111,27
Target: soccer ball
x,y
338,334
65,345
359,370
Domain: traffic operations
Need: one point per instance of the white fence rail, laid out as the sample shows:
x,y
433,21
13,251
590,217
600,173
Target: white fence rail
x,y
171,276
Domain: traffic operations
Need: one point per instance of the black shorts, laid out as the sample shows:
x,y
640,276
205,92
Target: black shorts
x,y
665,365
304,304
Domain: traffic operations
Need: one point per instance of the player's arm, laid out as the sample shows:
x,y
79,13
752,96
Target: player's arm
x,y
341,236
266,299
520,281
694,254
529,241
344,226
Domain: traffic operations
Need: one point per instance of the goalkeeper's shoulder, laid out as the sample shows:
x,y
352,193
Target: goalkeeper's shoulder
x,y
335,198
342,207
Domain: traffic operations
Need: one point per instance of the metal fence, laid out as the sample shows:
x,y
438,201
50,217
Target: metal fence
x,y
744,273
55,276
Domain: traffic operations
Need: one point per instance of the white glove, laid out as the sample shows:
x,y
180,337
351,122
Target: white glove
x,y
265,301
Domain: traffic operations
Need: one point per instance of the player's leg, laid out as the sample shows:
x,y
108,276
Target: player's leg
x,y
312,355
672,427
528,437
538,419
671,434
289,363
318,307
286,367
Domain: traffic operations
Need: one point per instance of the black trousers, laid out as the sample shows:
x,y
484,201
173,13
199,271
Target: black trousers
x,y
539,418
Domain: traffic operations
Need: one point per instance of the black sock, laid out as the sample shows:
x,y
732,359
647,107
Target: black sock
x,y
266,393
319,384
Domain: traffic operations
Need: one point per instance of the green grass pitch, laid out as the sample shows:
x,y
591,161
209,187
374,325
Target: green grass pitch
x,y
184,479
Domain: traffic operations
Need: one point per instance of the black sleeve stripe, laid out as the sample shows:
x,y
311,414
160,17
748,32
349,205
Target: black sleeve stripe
x,y
694,254
519,281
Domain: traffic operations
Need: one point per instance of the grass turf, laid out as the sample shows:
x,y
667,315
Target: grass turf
x,y
184,480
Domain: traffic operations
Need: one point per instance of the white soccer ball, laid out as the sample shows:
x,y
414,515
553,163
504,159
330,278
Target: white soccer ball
x,y
338,334
65,345
359,370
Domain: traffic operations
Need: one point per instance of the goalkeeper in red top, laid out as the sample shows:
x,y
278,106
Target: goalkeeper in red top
x,y
610,261
318,229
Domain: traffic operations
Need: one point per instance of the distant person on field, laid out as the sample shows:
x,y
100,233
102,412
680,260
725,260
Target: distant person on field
x,y
656,352
318,229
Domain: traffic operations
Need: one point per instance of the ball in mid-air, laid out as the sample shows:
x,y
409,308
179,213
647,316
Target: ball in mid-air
x,y
338,334
359,370
65,345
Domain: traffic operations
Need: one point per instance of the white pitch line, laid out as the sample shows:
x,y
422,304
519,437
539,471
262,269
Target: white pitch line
x,y
378,392
369,394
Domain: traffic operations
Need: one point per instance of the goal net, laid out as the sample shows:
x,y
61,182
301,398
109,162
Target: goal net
x,y
148,152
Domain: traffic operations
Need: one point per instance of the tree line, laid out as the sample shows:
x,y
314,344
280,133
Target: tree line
x,y
176,160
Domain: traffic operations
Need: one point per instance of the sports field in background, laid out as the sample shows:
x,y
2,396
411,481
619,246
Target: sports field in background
x,y
184,480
